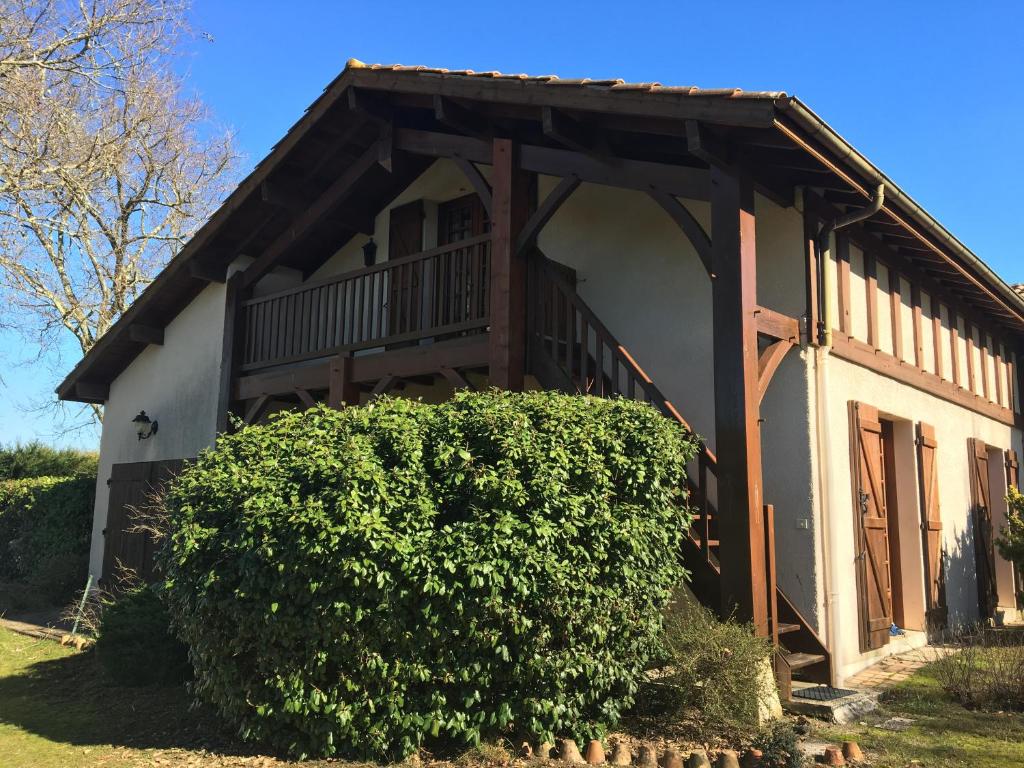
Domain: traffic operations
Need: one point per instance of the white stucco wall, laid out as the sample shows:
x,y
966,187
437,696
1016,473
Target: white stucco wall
x,y
953,426
177,385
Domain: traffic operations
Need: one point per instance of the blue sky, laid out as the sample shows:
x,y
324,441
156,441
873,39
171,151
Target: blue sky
x,y
927,90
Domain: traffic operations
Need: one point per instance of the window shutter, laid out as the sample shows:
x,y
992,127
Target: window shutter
x,y
931,525
874,586
1012,469
405,230
981,514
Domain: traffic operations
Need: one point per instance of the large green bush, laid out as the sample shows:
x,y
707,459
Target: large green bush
x,y
37,460
369,580
45,524
134,643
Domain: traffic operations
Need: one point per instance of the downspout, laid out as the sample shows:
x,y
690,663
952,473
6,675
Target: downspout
x,y
829,541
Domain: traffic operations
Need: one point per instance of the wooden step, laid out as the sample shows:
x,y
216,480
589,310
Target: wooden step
x,y
801,660
784,628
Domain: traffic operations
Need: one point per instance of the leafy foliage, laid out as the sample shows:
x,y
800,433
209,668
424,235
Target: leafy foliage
x,y
45,524
135,644
35,459
1011,538
369,580
778,745
713,666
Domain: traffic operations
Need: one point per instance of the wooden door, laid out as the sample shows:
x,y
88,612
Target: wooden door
x,y
405,237
874,582
981,517
931,526
132,490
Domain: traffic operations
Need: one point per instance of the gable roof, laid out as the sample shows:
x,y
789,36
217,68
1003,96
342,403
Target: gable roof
x,y
329,137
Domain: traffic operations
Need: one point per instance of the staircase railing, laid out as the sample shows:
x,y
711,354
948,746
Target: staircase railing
x,y
568,336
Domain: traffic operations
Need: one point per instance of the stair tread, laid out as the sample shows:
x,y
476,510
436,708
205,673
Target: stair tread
x,y
784,628
800,660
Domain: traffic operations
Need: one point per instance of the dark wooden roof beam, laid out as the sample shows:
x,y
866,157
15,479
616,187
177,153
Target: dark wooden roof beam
x,y
692,183
210,273
567,131
457,117
146,334
92,391
545,211
477,181
369,105
691,228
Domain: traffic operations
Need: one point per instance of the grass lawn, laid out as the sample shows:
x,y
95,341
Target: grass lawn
x,y
58,709
943,735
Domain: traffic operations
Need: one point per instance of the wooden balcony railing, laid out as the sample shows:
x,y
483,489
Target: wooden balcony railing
x,y
434,294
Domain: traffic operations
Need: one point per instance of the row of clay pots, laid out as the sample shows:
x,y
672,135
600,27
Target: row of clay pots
x,y
646,756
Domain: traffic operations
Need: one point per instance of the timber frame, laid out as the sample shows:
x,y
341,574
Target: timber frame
x,y
377,129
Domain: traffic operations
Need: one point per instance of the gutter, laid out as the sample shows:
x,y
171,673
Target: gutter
x,y
816,128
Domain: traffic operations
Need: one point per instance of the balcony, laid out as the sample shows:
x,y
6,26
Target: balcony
x,y
435,295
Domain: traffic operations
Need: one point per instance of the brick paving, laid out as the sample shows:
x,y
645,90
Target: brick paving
x,y
896,668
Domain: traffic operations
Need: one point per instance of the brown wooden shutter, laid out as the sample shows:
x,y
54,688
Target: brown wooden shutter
x,y
931,525
1012,468
981,515
874,584
405,230
405,237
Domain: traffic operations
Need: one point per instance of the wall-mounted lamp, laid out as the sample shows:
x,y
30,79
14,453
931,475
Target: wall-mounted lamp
x,y
369,253
144,426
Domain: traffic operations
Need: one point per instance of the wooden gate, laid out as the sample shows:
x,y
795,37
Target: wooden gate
x,y
874,583
132,488
931,526
981,517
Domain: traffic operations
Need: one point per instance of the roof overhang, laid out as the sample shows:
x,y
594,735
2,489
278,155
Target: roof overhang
x,y
332,134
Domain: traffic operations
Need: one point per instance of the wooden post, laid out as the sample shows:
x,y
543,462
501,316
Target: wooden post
x,y
341,390
510,209
230,347
734,296
812,277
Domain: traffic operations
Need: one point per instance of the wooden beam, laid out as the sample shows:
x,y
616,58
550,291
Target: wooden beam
x,y
969,344
207,272
871,297
896,313
456,116
335,194
507,340
916,317
369,105
777,325
341,390
146,334
885,364
456,379
477,181
954,344
843,281
282,196
231,340
768,362
682,181
688,223
812,276
560,127
738,441
253,411
531,229
936,312
383,386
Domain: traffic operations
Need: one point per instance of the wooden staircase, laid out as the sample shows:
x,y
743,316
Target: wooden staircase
x,y
571,350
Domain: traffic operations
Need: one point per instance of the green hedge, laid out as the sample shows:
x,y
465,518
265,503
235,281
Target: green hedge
x,y
370,580
37,460
45,524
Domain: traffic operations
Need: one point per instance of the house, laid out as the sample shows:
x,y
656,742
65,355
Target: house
x,y
722,254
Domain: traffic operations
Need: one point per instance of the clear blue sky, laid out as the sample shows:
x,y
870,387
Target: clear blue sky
x,y
929,91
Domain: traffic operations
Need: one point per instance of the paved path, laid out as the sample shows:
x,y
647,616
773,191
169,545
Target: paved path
x,y
896,668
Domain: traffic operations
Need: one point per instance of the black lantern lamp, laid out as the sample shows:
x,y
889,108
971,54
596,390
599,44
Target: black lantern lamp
x,y
370,253
144,426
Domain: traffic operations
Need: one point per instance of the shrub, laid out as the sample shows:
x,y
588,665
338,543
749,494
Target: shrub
x,y
45,523
1011,538
778,744
135,645
37,460
986,672
369,580
715,667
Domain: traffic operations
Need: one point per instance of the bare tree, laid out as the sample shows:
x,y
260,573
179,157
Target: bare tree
x,y
106,165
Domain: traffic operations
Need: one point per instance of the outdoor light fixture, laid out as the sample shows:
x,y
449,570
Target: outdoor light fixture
x,y
144,426
369,252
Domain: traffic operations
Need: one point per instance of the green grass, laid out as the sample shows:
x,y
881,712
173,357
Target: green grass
x,y
944,734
